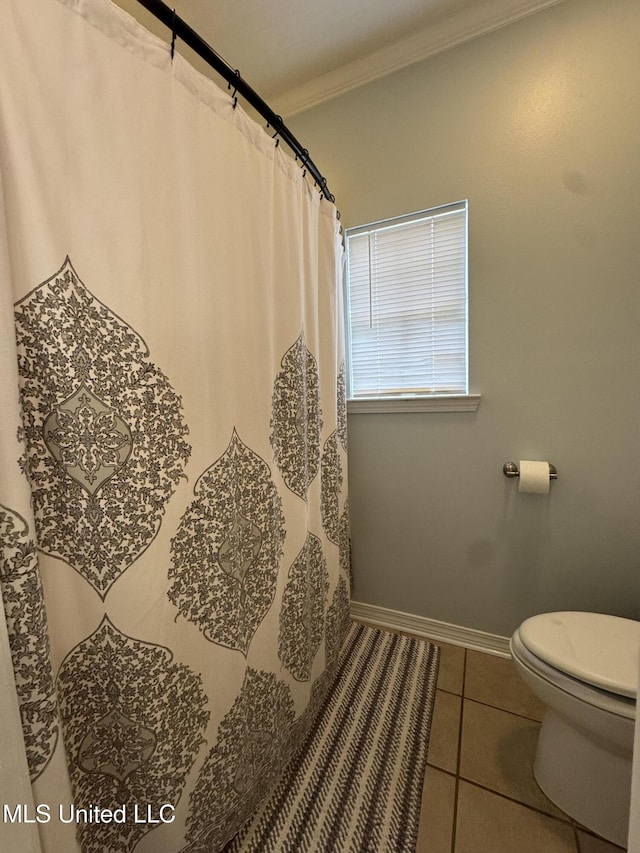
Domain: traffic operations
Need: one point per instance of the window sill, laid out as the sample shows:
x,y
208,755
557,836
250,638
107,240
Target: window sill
x,y
461,403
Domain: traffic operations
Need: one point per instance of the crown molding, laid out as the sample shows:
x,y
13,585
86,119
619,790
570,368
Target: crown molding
x,y
475,20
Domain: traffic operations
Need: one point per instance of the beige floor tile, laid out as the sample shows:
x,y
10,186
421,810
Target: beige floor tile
x,y
445,732
497,751
590,844
495,681
488,823
436,814
451,671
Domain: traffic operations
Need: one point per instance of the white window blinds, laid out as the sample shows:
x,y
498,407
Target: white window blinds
x,y
407,305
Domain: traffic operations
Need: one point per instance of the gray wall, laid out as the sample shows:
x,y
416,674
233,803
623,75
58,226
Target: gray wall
x,y
538,125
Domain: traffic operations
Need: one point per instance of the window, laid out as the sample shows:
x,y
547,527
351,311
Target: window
x,y
407,306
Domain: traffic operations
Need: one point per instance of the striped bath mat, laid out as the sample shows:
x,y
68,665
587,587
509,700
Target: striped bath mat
x,y
356,785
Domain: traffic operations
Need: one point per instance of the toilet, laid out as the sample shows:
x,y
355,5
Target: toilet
x,y
584,668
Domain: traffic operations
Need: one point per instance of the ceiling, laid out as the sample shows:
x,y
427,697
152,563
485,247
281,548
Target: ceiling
x,y
299,53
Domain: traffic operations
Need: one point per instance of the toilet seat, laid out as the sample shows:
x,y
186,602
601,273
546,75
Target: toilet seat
x,y
596,649
605,700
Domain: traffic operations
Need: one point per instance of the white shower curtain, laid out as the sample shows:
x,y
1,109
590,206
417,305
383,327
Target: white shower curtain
x,y
173,510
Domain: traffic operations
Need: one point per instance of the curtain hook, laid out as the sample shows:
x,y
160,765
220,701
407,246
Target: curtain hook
x,y
278,129
305,159
173,34
235,89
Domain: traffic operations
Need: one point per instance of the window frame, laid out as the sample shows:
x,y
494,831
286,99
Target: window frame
x,y
411,401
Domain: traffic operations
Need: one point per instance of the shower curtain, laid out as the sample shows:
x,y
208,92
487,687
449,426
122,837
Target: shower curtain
x,y
173,507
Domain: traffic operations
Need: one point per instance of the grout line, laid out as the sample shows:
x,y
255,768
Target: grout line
x,y
451,773
450,692
489,705
504,710
455,799
566,819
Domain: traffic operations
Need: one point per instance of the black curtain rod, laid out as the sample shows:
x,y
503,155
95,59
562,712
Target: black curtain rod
x,y
180,29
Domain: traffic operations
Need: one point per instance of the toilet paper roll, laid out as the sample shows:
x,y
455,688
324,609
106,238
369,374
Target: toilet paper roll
x,y
534,477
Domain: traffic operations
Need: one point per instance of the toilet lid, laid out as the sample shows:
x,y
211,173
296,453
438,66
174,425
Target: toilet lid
x,y
601,650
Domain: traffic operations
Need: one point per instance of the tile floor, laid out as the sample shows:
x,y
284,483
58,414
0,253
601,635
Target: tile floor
x,y
479,792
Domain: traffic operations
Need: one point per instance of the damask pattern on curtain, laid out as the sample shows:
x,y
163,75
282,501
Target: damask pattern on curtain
x,y
173,503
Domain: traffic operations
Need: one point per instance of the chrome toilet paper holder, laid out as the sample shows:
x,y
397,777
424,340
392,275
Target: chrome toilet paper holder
x,y
510,469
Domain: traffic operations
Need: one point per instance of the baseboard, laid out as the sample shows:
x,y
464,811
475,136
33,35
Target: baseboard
x,y
421,626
